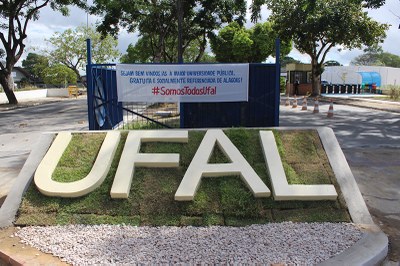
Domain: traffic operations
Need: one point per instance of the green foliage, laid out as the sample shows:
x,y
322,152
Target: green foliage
x,y
138,53
375,56
36,64
218,201
234,43
288,60
59,75
394,92
282,84
157,22
142,52
316,26
69,48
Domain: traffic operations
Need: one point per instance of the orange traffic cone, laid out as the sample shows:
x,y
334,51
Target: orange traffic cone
x,y
287,102
316,106
294,102
304,106
330,112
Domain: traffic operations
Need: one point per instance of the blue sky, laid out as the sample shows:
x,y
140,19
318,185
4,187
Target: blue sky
x,y
51,22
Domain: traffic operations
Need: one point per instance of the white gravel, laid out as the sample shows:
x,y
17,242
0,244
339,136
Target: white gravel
x,y
286,243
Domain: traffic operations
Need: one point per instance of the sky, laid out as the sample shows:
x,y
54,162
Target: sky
x,y
50,22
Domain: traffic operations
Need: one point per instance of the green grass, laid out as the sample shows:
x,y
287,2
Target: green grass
x,y
172,122
219,201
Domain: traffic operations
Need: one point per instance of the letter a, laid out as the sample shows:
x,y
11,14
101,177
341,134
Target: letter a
x,y
200,167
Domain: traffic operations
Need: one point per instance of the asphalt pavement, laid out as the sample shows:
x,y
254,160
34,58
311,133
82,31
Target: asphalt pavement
x,y
369,138
21,127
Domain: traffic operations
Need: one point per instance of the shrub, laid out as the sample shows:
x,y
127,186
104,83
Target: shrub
x,y
394,92
282,84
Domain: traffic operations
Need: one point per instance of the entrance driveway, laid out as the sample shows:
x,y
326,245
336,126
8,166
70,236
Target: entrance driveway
x,y
370,140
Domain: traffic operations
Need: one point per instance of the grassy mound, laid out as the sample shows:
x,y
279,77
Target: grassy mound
x,y
219,201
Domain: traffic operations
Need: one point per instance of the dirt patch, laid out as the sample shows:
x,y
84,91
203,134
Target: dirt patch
x,y
2,199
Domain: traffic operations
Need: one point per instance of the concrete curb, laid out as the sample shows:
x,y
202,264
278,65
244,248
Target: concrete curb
x,y
10,206
355,202
372,249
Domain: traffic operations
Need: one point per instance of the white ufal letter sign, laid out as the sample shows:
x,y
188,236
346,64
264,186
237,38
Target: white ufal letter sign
x,y
198,168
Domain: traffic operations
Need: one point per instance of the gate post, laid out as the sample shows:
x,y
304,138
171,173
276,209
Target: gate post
x,y
277,80
89,88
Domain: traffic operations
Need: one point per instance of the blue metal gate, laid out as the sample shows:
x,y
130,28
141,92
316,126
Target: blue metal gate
x,y
105,112
262,109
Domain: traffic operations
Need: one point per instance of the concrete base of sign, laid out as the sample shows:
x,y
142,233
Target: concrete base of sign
x,y
94,179
370,250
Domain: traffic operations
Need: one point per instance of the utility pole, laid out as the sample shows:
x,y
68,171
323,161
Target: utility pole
x,y
180,19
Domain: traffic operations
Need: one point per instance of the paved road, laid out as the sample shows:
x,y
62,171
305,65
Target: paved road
x,y
20,128
370,140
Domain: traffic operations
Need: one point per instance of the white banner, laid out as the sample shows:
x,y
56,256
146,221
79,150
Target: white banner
x,y
182,83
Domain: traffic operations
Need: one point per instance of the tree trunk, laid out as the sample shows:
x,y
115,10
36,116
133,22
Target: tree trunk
x,y
202,49
315,78
79,77
7,82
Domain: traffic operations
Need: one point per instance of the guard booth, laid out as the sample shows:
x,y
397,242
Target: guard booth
x,y
302,73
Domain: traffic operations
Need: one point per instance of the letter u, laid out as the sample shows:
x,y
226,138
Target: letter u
x,y
93,180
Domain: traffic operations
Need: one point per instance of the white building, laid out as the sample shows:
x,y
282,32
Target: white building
x,y
350,75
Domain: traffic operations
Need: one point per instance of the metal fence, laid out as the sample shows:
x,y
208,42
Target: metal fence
x,y
105,112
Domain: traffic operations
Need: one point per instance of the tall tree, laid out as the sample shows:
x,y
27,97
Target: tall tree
x,y
390,60
370,57
70,48
138,53
234,43
36,64
288,60
157,20
316,26
15,16
144,51
59,75
375,56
